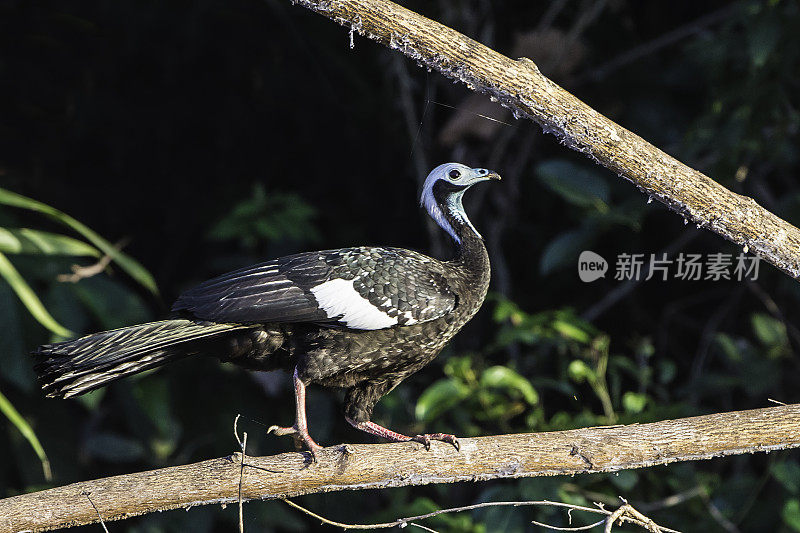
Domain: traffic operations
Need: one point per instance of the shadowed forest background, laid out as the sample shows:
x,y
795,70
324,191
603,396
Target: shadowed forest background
x,y
205,136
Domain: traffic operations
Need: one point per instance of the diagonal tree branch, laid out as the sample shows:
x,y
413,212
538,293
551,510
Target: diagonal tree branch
x,y
519,85
374,466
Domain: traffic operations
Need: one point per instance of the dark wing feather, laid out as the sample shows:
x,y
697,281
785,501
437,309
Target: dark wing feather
x,y
407,286
260,293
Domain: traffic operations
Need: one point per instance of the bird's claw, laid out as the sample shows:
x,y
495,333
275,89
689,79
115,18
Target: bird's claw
x,y
426,439
300,439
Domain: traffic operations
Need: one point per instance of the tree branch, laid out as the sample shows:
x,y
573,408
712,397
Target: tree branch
x,y
374,466
520,86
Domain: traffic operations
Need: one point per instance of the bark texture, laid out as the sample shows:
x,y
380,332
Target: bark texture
x,y
375,466
519,85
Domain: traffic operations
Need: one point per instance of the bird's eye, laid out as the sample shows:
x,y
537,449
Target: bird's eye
x,y
454,174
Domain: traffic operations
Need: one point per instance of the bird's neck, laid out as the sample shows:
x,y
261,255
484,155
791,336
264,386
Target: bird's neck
x,y
443,203
471,260
449,214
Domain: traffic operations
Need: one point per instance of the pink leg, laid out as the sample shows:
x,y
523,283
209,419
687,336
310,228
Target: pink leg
x,y
425,439
300,428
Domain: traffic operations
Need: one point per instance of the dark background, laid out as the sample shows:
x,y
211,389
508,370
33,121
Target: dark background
x,y
209,135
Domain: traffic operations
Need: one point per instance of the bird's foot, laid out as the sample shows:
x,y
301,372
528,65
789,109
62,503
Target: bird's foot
x,y
301,439
426,439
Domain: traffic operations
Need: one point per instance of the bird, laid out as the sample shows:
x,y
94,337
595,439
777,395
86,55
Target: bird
x,y
361,319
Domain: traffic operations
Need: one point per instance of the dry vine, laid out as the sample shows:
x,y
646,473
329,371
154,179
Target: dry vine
x,y
625,513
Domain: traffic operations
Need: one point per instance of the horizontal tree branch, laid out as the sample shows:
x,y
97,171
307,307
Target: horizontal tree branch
x,y
519,85
374,466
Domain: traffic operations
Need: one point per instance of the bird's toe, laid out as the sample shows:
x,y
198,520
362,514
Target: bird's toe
x,y
281,431
426,439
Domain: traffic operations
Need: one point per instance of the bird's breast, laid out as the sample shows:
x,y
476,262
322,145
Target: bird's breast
x,y
343,357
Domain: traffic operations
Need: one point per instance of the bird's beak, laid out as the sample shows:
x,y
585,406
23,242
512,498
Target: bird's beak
x,y
478,175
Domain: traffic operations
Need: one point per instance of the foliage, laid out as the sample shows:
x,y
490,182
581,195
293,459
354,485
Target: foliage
x,y
25,429
267,217
50,244
33,242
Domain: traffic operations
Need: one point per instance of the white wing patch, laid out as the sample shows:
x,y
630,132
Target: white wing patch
x,y
338,297
409,318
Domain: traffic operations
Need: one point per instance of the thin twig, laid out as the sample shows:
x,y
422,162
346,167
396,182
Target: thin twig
x,y
627,512
82,272
584,20
775,310
243,444
717,515
640,520
653,46
426,528
550,15
99,516
671,501
241,476
576,528
465,110
709,336
236,430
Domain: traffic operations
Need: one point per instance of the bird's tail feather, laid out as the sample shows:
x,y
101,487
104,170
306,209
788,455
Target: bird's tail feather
x,y
73,367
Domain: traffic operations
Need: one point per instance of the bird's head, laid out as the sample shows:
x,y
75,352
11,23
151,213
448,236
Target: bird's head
x,y
443,190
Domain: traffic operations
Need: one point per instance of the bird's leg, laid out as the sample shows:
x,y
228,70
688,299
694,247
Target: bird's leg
x,y
300,428
425,439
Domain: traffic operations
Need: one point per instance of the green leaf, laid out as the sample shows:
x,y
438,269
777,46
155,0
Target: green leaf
x,y
571,331
788,474
624,480
791,513
563,250
91,400
762,40
152,395
634,402
460,368
580,371
508,310
667,370
728,346
439,397
126,263
29,298
14,360
23,427
267,217
504,377
770,331
31,241
113,304
577,184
